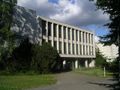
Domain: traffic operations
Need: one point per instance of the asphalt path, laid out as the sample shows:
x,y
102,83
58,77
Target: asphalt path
x,y
75,81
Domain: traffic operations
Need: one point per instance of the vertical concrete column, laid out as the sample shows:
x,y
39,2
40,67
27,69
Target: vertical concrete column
x,y
78,42
46,31
62,40
94,43
86,63
85,41
75,41
88,45
92,63
67,39
87,38
57,31
82,42
71,41
76,64
64,64
52,34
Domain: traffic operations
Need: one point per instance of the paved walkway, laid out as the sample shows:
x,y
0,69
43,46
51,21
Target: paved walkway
x,y
74,81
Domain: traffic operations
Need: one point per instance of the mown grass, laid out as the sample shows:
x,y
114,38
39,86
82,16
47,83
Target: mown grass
x,y
18,82
93,72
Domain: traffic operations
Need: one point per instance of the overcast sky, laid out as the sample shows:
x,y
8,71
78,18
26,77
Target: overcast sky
x,y
81,13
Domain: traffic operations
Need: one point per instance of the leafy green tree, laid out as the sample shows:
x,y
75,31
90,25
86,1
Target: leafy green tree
x,y
100,59
45,58
6,35
112,7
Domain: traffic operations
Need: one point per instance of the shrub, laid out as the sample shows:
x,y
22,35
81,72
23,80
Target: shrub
x,y
45,58
33,57
100,60
21,57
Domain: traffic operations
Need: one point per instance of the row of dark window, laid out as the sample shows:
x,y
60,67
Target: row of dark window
x,y
82,47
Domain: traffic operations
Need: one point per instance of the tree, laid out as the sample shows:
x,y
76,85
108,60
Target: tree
x,y
45,59
6,35
100,59
112,8
20,60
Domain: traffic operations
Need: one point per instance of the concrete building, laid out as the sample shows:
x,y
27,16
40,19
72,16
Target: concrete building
x,y
110,52
76,46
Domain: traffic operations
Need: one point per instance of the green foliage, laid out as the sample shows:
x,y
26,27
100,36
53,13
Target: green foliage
x,y
45,58
26,56
6,35
6,12
33,57
100,60
112,8
114,67
21,57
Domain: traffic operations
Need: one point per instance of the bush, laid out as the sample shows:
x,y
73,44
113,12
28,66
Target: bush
x,y
45,59
21,58
100,60
33,57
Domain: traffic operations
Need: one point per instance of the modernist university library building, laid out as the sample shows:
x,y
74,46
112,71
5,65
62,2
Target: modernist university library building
x,y
76,46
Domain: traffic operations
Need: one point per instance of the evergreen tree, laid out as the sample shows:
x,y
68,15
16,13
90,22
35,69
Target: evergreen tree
x,y
20,60
112,7
100,59
6,35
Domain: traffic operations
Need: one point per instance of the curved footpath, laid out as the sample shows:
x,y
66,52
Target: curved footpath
x,y
75,81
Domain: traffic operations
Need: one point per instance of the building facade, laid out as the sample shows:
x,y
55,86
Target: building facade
x,y
76,46
109,52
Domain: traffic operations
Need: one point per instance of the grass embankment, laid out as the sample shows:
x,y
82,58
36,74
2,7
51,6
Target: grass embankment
x,y
93,72
18,82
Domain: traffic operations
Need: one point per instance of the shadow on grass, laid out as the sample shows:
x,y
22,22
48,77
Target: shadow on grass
x,y
112,84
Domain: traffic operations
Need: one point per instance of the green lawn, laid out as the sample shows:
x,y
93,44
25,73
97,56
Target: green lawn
x,y
19,82
93,72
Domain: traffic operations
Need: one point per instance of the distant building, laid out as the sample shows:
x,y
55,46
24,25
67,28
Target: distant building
x,y
110,52
76,46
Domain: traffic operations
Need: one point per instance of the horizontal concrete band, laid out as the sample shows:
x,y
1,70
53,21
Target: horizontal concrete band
x,y
76,56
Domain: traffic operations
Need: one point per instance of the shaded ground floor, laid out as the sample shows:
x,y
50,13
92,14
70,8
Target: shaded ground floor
x,y
75,81
76,63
